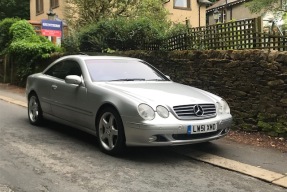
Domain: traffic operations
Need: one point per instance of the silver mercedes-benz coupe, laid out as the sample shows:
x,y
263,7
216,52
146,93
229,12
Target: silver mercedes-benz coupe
x,y
124,102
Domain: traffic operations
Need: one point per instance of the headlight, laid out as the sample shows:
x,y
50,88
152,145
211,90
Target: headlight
x,y
223,107
162,111
146,112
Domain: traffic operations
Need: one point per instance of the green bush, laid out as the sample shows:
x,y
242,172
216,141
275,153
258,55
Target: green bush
x,y
71,43
176,29
27,48
121,33
26,44
5,37
21,29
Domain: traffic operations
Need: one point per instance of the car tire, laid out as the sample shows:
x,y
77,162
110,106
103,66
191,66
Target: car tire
x,y
110,132
35,113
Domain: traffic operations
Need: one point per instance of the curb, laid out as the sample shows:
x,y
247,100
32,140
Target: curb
x,y
256,172
13,101
236,166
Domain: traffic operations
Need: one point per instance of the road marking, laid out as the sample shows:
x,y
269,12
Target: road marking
x,y
256,172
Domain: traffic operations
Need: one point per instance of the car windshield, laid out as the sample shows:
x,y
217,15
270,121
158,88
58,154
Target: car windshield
x,y
122,70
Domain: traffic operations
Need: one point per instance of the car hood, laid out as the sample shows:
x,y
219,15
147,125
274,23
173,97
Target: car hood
x,y
166,93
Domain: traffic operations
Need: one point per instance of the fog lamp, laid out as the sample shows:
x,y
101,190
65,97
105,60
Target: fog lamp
x,y
152,138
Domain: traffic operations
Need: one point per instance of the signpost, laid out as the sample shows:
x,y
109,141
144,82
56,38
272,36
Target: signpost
x,y
52,28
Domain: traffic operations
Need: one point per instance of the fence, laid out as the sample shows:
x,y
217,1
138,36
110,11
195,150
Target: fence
x,y
244,34
7,69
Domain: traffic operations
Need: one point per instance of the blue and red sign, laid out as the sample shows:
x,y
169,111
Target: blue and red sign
x,y
52,28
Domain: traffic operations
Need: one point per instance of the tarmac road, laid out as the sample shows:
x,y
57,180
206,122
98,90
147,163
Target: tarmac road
x,y
59,158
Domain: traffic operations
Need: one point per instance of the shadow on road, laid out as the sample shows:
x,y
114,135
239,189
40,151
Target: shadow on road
x,y
148,155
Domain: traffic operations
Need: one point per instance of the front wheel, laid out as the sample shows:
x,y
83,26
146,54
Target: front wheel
x,y
110,132
35,114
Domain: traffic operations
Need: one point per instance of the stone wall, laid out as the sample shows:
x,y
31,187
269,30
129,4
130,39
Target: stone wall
x,y
253,82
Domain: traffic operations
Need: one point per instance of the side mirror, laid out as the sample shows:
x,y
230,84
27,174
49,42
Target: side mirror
x,y
73,79
167,77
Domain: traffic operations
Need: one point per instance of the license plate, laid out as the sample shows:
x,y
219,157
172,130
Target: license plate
x,y
195,129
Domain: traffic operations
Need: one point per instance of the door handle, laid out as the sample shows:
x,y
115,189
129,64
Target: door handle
x,y
54,87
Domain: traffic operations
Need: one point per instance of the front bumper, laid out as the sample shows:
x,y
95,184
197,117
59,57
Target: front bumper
x,y
141,134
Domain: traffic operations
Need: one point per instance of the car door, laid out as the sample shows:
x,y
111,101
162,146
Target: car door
x,y
69,100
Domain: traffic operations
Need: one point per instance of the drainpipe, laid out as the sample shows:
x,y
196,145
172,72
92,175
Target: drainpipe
x,y
199,13
225,20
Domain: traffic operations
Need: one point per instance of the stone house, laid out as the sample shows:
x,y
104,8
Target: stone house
x,y
191,12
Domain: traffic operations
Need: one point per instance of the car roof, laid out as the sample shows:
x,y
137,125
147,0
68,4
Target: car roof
x,y
88,57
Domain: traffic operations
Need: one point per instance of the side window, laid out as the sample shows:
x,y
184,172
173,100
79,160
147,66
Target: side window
x,y
72,67
64,68
57,70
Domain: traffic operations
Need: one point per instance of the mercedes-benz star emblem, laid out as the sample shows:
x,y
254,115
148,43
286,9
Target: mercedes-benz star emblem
x,y
198,110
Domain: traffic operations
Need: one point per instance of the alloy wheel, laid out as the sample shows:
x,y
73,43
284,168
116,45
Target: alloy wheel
x,y
108,131
33,109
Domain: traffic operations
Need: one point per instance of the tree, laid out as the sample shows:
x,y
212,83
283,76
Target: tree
x,y
152,9
256,6
14,8
84,12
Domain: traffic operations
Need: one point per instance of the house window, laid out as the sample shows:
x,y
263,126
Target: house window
x,y
39,7
181,4
222,17
54,3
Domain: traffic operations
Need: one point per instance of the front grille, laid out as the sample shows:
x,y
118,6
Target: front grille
x,y
195,136
186,112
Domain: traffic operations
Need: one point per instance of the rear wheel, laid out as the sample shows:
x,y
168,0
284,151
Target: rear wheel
x,y
35,113
110,132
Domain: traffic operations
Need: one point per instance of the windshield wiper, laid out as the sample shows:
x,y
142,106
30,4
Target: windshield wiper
x,y
135,79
